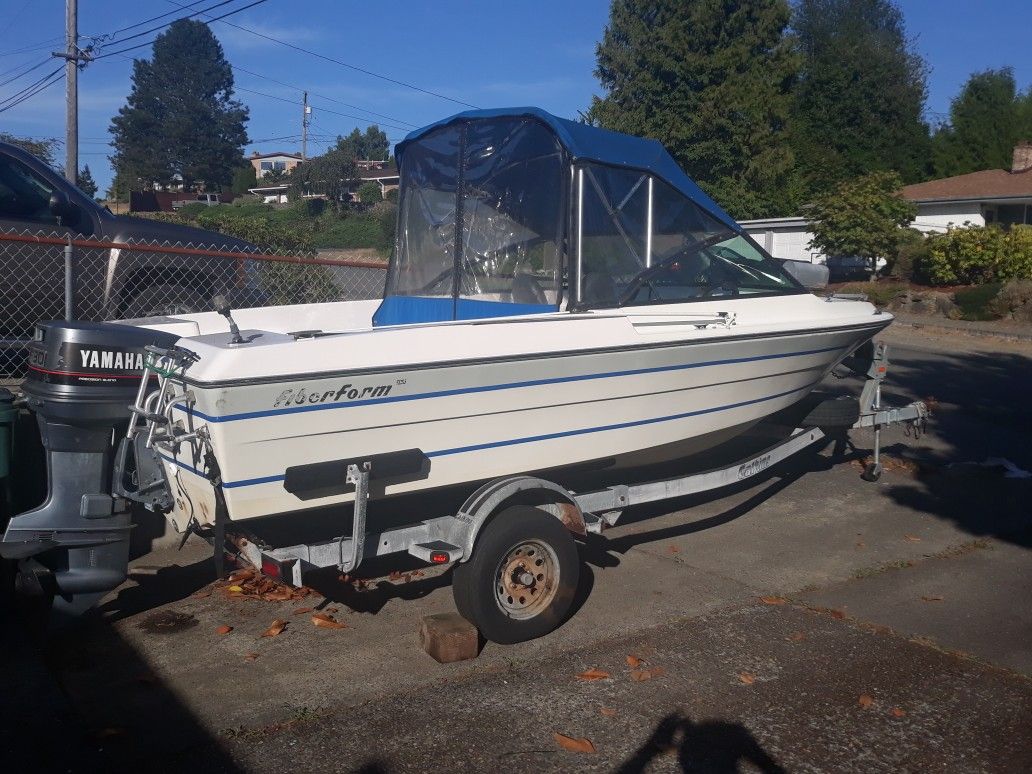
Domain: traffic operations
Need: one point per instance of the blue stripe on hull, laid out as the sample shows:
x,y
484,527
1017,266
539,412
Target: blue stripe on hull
x,y
494,387
532,438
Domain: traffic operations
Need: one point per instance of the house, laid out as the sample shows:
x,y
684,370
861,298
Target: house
x,y
271,194
785,238
979,198
265,163
383,173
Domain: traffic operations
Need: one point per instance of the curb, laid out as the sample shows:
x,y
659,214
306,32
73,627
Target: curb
x,y
964,326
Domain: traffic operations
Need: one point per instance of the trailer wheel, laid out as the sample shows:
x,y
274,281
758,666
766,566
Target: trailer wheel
x,y
520,581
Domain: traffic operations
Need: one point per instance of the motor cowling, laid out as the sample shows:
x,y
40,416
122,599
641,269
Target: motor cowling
x,y
82,378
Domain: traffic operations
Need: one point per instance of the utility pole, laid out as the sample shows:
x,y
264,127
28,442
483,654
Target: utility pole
x,y
72,56
305,111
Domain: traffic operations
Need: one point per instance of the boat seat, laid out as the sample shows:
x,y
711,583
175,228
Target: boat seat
x,y
527,290
598,289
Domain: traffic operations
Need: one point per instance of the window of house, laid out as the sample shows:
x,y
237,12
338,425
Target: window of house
x,y
266,166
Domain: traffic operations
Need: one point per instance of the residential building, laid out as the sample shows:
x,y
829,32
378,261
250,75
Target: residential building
x,y
1001,196
383,173
266,163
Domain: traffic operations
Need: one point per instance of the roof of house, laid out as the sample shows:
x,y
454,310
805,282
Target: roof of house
x,y
987,184
389,169
271,155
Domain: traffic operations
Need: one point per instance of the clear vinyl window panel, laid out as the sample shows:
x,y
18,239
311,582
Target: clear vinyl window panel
x,y
481,216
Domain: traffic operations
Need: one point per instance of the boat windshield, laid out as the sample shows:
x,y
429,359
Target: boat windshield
x,y
480,224
640,241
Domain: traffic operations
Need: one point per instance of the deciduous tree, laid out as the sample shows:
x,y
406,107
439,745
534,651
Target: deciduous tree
x,y
987,119
371,144
181,122
42,148
712,81
865,217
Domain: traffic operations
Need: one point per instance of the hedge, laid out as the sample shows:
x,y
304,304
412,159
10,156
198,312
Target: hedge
x,y
978,255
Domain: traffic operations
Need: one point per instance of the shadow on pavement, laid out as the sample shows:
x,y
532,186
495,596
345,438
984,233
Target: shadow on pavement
x,y
982,411
714,746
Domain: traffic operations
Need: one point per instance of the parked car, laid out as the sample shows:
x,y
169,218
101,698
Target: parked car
x,y
207,199
849,267
109,282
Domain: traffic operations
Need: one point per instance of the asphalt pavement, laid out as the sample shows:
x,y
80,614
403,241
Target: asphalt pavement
x,y
810,621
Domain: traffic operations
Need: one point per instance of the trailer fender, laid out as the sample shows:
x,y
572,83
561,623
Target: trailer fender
x,y
512,490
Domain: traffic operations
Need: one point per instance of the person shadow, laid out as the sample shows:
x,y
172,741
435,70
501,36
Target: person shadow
x,y
708,746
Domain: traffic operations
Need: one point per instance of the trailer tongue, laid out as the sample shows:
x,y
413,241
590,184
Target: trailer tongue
x,y
75,545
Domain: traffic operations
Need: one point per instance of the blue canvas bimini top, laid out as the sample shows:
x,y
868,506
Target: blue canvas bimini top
x,y
591,143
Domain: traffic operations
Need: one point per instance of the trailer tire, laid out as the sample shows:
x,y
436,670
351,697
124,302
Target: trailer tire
x,y
520,581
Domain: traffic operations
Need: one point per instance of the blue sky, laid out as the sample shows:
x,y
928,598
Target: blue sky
x,y
486,54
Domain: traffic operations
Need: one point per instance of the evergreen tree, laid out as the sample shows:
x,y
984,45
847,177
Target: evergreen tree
x,y
244,177
371,144
987,119
860,96
86,182
181,123
712,81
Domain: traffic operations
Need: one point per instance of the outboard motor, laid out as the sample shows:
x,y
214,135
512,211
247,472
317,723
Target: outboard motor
x,y
82,378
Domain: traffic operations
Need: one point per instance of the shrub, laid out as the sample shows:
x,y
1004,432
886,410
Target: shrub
x,y
369,193
980,254
977,303
911,261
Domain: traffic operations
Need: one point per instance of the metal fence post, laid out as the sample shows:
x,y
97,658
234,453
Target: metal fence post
x,y
69,280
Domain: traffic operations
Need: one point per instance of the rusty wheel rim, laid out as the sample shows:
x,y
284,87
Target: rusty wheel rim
x,y
527,579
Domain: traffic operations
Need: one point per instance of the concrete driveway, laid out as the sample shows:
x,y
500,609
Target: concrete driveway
x,y
810,621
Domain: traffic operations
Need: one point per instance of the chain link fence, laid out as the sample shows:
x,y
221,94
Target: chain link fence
x,y
51,276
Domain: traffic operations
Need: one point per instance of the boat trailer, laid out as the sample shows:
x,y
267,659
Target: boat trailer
x,y
447,539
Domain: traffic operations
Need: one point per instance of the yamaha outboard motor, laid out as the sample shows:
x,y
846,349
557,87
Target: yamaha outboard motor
x,y
82,379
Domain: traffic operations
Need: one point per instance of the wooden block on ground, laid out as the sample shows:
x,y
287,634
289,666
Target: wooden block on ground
x,y
449,637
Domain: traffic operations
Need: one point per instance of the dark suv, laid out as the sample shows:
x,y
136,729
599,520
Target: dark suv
x,y
109,282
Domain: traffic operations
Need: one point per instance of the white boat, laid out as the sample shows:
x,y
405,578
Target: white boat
x,y
559,295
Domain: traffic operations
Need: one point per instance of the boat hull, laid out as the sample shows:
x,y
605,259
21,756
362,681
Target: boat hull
x,y
476,420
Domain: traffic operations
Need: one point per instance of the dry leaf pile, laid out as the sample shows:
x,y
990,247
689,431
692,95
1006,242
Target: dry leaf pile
x,y
251,584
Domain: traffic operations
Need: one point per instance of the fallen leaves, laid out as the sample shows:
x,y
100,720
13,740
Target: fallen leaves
x,y
250,657
641,675
593,674
896,712
275,629
223,630
574,744
607,712
931,599
302,610
633,662
838,615
773,600
865,701
251,584
327,621
912,538
746,678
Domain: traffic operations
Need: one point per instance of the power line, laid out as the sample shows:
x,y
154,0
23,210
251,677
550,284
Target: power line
x,y
145,21
322,96
36,88
339,62
151,42
26,72
324,110
165,24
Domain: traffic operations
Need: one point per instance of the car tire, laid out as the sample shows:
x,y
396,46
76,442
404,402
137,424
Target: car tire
x,y
520,582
